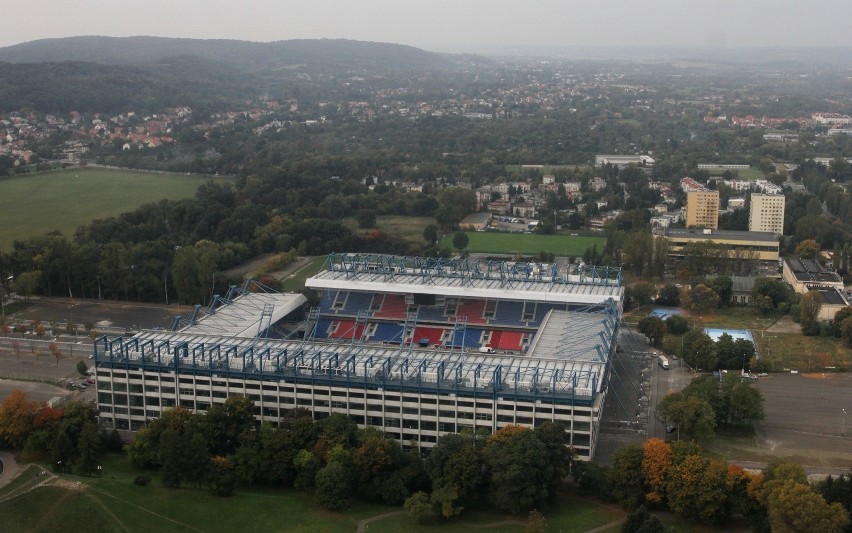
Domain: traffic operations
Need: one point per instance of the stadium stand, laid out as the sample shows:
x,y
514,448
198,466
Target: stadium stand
x,y
393,306
474,310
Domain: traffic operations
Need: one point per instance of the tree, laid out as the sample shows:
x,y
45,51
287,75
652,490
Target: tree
x,y
777,290
839,317
701,299
809,307
333,487
724,287
641,521
626,478
642,293
460,241
430,234
742,401
696,489
17,417
226,423
700,350
520,473
455,467
222,478
677,325
536,523
693,416
55,352
420,508
307,465
367,218
653,328
88,449
846,331
669,296
795,506
82,367
807,249
454,203
656,461
170,457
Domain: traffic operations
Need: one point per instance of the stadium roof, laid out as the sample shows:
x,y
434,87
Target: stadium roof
x,y
575,336
504,280
571,365
247,315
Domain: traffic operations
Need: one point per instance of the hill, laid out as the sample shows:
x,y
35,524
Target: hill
x,y
59,87
243,55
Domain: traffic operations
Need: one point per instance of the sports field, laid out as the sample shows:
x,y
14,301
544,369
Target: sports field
x,y
39,203
528,244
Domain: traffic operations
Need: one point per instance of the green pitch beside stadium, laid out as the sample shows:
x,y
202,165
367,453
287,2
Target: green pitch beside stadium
x,y
63,200
528,244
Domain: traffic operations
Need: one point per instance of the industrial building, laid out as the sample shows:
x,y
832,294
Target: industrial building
x,y
416,347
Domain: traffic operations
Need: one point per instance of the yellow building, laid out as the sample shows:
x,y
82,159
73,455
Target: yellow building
x,y
766,213
702,209
743,245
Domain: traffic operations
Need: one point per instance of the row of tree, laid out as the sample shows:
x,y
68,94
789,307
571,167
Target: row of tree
x,y
516,469
682,478
70,438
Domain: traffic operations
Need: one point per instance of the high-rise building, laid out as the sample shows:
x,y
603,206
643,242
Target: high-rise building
x,y
767,213
702,209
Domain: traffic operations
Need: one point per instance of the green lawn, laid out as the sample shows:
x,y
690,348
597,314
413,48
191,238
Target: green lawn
x,y
529,244
796,352
545,169
297,282
750,174
38,203
408,228
113,503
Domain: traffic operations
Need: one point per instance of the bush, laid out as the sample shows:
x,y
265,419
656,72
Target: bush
x,y
82,368
141,480
420,508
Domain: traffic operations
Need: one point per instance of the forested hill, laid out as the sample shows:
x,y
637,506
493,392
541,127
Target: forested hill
x,y
93,87
313,54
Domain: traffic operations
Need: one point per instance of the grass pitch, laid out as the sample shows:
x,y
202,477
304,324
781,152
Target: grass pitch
x,y
528,244
66,199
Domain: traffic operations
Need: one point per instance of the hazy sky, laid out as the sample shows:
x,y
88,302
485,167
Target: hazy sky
x,y
445,24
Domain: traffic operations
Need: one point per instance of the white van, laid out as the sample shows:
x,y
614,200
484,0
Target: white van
x,y
664,362
486,349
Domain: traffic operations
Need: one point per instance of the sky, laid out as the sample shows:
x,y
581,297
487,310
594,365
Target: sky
x,y
447,25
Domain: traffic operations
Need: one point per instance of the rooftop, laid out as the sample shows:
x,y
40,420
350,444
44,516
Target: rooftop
x,y
832,297
810,271
247,315
467,278
569,361
728,235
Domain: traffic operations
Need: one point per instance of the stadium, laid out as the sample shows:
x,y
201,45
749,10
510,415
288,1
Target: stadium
x,y
417,347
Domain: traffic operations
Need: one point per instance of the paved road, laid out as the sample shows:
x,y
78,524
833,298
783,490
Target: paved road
x,y
11,469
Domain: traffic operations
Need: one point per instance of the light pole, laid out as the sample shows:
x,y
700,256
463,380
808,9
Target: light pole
x,y
843,424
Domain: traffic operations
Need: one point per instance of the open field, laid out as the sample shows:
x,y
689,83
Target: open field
x,y
66,199
112,502
407,228
295,282
794,351
522,243
750,174
545,169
